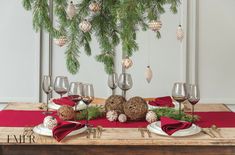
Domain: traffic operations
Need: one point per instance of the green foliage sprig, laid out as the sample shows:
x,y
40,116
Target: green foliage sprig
x,y
93,113
117,21
174,114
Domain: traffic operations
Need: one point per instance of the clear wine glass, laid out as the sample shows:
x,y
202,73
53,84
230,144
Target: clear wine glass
x,y
193,96
47,88
125,83
179,93
75,92
87,98
112,82
61,85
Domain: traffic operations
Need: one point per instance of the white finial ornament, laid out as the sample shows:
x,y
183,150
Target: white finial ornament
x,y
85,26
127,63
180,33
71,10
148,74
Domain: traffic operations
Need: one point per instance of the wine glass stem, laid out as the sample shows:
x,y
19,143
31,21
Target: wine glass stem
x,y
87,115
113,91
180,108
47,102
192,113
124,93
61,95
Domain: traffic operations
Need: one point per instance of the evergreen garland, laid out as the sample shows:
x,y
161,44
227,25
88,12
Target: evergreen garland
x,y
117,21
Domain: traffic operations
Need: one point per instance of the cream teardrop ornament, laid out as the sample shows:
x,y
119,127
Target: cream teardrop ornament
x,y
94,7
61,41
180,33
85,26
127,63
148,74
71,10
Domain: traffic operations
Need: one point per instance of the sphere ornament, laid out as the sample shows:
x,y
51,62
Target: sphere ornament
x,y
155,25
127,63
85,26
94,6
180,33
136,108
66,113
112,115
50,122
71,10
115,102
61,41
122,118
151,117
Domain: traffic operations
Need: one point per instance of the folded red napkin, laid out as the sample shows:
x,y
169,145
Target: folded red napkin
x,y
162,102
64,128
170,126
64,101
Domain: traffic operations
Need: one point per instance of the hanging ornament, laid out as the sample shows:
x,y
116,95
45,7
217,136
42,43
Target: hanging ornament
x,y
112,115
180,33
61,41
155,25
122,118
94,7
85,26
151,117
127,63
71,10
50,122
148,74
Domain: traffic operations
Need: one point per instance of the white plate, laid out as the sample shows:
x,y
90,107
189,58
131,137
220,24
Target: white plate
x,y
81,105
150,107
41,130
156,128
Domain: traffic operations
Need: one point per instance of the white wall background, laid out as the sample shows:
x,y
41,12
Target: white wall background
x,y
18,54
213,41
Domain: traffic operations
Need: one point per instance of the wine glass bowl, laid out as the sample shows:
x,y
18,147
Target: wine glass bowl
x,y
112,82
47,88
179,93
61,85
125,82
75,92
193,97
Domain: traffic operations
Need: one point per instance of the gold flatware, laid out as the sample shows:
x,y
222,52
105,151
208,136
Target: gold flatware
x,y
149,133
217,130
99,131
88,133
207,132
94,133
141,132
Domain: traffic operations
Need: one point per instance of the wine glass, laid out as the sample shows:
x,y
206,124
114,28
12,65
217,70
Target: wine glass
x,y
112,82
75,92
179,93
193,96
125,83
88,97
61,85
47,88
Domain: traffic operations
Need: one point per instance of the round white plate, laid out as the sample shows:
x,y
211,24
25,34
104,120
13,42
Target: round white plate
x,y
150,107
41,130
81,105
156,128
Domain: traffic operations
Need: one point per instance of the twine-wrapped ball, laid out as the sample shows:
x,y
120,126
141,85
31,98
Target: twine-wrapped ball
x,y
151,117
112,115
115,102
136,108
66,113
122,118
50,122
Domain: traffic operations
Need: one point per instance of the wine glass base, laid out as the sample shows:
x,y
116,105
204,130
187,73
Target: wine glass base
x,y
47,112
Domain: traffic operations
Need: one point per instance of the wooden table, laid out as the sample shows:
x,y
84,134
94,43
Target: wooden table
x,y
114,141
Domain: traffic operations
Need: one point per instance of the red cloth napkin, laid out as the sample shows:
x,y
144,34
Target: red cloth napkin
x,y
162,102
64,101
170,126
64,128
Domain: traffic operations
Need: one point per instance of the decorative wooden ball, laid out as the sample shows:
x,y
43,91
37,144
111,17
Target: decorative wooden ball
x,y
115,102
180,33
155,25
122,118
61,41
112,115
127,63
85,26
71,10
50,122
94,7
136,108
151,117
66,113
